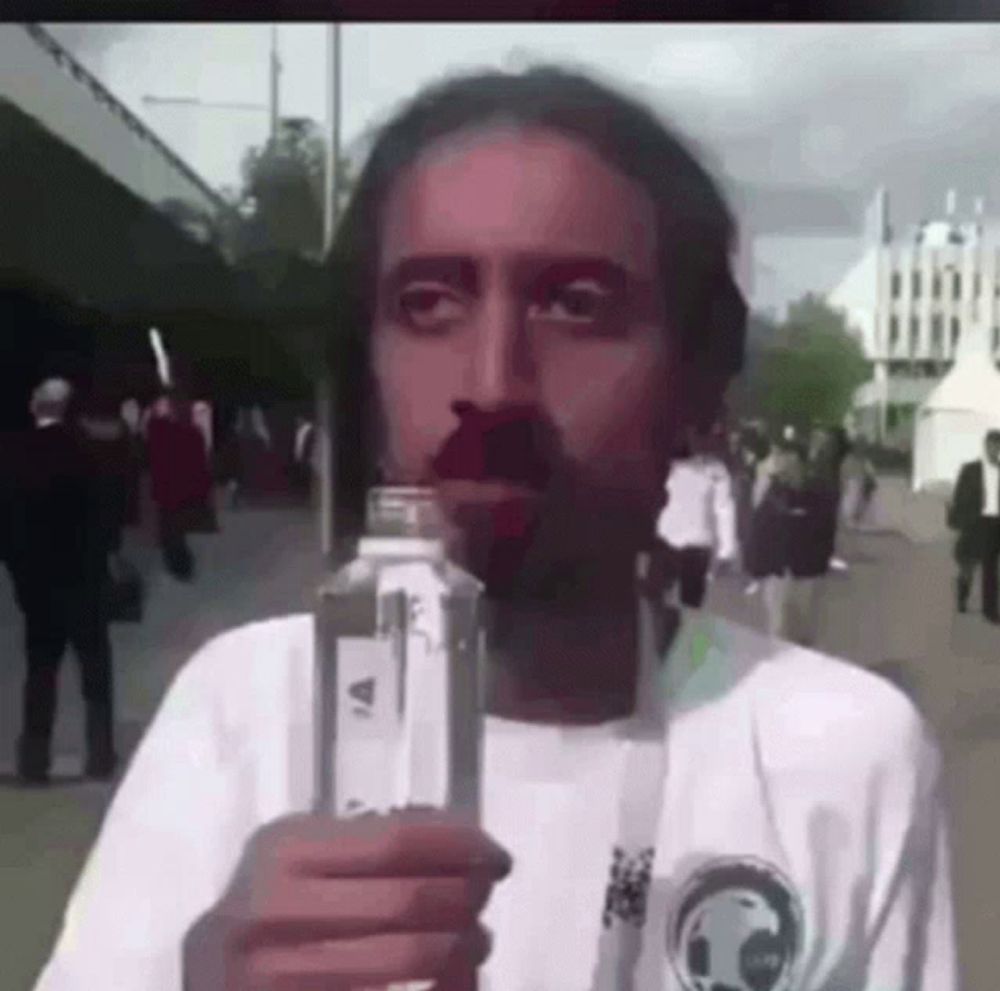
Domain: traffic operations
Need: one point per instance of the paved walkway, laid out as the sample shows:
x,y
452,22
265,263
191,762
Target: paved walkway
x,y
893,606
264,563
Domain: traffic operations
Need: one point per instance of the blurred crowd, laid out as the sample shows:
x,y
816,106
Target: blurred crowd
x,y
768,504
88,468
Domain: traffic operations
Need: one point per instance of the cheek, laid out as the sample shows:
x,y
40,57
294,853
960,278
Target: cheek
x,y
612,408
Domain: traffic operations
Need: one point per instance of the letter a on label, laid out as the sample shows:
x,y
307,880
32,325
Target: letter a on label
x,y
363,691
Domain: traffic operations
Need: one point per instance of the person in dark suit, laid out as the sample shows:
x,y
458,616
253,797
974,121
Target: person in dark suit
x,y
974,513
59,564
790,545
131,416
109,448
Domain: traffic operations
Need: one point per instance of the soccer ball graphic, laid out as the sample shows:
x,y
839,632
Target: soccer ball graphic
x,y
737,930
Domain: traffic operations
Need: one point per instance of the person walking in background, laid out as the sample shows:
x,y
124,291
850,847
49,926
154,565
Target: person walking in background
x,y
181,480
265,476
108,445
230,457
828,447
860,484
790,551
303,455
59,559
131,416
974,513
753,450
698,521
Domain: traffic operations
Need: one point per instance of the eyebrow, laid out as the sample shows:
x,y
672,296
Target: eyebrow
x,y
463,270
458,269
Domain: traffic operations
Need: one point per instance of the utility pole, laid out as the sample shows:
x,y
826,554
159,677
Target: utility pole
x,y
325,393
275,73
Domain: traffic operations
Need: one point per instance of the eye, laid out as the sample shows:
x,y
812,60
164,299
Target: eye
x,y
585,304
430,306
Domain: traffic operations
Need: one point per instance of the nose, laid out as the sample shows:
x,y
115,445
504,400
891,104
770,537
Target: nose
x,y
501,370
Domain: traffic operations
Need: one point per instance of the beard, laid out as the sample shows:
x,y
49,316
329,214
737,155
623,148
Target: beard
x,y
575,544
558,533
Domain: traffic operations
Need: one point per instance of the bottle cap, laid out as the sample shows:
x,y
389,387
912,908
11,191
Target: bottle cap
x,y
398,511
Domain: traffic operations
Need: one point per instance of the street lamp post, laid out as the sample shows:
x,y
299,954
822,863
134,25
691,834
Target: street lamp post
x,y
325,394
275,73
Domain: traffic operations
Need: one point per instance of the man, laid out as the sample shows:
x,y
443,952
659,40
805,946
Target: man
x,y
975,513
828,448
107,442
699,519
59,561
860,485
792,546
530,265
753,462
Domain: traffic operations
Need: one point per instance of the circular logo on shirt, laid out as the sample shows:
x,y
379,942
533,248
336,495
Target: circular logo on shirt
x,y
738,926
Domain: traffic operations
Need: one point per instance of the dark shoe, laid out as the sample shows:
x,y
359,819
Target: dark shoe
x,y
102,769
33,778
33,757
995,620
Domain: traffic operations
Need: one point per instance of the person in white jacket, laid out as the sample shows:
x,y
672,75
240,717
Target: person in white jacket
x,y
675,805
698,521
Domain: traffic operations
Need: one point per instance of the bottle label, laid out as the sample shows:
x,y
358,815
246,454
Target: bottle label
x,y
368,706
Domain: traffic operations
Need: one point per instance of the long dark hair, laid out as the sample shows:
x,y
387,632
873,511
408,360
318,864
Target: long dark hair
x,y
696,237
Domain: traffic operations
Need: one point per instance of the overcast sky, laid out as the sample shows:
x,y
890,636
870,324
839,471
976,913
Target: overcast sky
x,y
838,109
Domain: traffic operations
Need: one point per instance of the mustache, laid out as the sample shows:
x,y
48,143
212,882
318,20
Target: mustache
x,y
515,444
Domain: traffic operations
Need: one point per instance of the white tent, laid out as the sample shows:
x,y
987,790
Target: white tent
x,y
952,422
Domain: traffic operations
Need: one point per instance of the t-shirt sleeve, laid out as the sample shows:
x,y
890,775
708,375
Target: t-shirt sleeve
x,y
912,929
164,854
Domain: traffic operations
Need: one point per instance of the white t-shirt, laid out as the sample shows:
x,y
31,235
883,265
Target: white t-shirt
x,y
991,488
801,840
700,509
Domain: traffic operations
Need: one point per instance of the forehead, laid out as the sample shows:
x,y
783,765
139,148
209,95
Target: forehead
x,y
515,191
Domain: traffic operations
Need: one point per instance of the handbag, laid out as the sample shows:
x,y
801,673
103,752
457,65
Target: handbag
x,y
125,592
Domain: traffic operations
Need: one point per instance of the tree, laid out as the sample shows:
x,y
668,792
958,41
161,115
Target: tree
x,y
804,370
281,202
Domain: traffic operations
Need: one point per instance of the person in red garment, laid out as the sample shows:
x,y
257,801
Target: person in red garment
x,y
181,480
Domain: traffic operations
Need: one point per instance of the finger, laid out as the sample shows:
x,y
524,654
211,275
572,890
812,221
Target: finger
x,y
404,844
301,909
374,961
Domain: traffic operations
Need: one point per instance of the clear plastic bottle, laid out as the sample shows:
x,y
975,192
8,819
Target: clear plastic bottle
x,y
400,648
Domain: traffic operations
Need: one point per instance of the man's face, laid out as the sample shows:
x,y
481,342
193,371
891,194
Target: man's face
x,y
518,279
993,449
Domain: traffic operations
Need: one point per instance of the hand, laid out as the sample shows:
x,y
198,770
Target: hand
x,y
319,903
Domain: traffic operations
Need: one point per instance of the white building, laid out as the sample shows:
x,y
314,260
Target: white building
x,y
911,298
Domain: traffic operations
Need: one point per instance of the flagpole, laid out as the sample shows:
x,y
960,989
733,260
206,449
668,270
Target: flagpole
x,y
325,412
